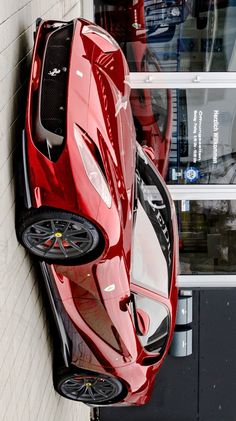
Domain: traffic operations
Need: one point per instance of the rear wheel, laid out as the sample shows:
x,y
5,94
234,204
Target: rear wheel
x,y
96,389
59,237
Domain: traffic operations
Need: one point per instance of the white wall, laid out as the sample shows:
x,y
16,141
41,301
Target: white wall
x,y
26,390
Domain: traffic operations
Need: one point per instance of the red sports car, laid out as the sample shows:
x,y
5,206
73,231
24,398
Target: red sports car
x,y
98,216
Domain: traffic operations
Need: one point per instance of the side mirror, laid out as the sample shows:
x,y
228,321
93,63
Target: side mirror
x,y
143,321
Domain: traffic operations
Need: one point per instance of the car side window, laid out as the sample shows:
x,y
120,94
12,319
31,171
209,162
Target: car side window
x,y
157,320
152,259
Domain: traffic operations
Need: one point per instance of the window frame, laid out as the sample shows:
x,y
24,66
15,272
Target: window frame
x,y
152,295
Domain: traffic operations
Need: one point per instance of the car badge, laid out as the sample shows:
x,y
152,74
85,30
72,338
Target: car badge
x,y
79,73
122,102
136,25
110,288
54,72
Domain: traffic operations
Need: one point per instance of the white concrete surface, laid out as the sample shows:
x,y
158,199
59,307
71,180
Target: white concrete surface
x,y
26,390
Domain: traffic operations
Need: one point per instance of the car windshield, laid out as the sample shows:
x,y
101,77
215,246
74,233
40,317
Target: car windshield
x,y
153,235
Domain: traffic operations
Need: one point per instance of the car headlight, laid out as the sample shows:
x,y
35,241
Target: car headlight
x,y
175,11
108,46
92,169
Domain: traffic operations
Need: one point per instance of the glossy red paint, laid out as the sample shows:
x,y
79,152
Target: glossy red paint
x,y
87,285
64,184
96,296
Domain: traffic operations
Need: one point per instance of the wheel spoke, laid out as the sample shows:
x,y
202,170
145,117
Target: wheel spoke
x,y
51,246
81,240
82,386
42,227
74,232
100,392
79,391
40,235
73,383
53,226
90,392
71,386
62,248
95,381
74,245
38,243
75,388
66,228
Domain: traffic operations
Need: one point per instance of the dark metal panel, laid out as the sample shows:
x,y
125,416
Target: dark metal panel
x,y
174,397
217,356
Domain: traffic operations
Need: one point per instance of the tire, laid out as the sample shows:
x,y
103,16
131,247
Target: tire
x,y
59,237
90,388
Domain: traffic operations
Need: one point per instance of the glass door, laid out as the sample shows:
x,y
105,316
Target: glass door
x,y
193,133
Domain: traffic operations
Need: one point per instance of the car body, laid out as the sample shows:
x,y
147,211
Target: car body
x,y
91,193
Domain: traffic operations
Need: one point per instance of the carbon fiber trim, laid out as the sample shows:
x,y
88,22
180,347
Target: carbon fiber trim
x,y
27,194
65,346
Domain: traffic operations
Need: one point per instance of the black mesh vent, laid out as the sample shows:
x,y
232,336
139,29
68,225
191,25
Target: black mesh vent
x,y
54,81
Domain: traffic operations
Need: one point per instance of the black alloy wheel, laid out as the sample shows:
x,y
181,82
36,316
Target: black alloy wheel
x,y
59,237
90,389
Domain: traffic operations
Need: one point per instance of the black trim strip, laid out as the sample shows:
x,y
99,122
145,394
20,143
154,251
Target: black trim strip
x,y
65,347
27,195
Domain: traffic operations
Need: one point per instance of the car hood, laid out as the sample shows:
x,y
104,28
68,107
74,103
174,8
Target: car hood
x,y
97,86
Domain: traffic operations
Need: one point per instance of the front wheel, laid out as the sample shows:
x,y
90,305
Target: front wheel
x,y
59,237
95,389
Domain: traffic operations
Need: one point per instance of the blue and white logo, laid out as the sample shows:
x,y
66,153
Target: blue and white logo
x,y
191,174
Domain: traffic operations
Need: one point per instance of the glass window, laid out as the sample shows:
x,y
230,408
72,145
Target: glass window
x,y
191,132
152,259
184,35
152,111
201,38
207,231
155,338
203,144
